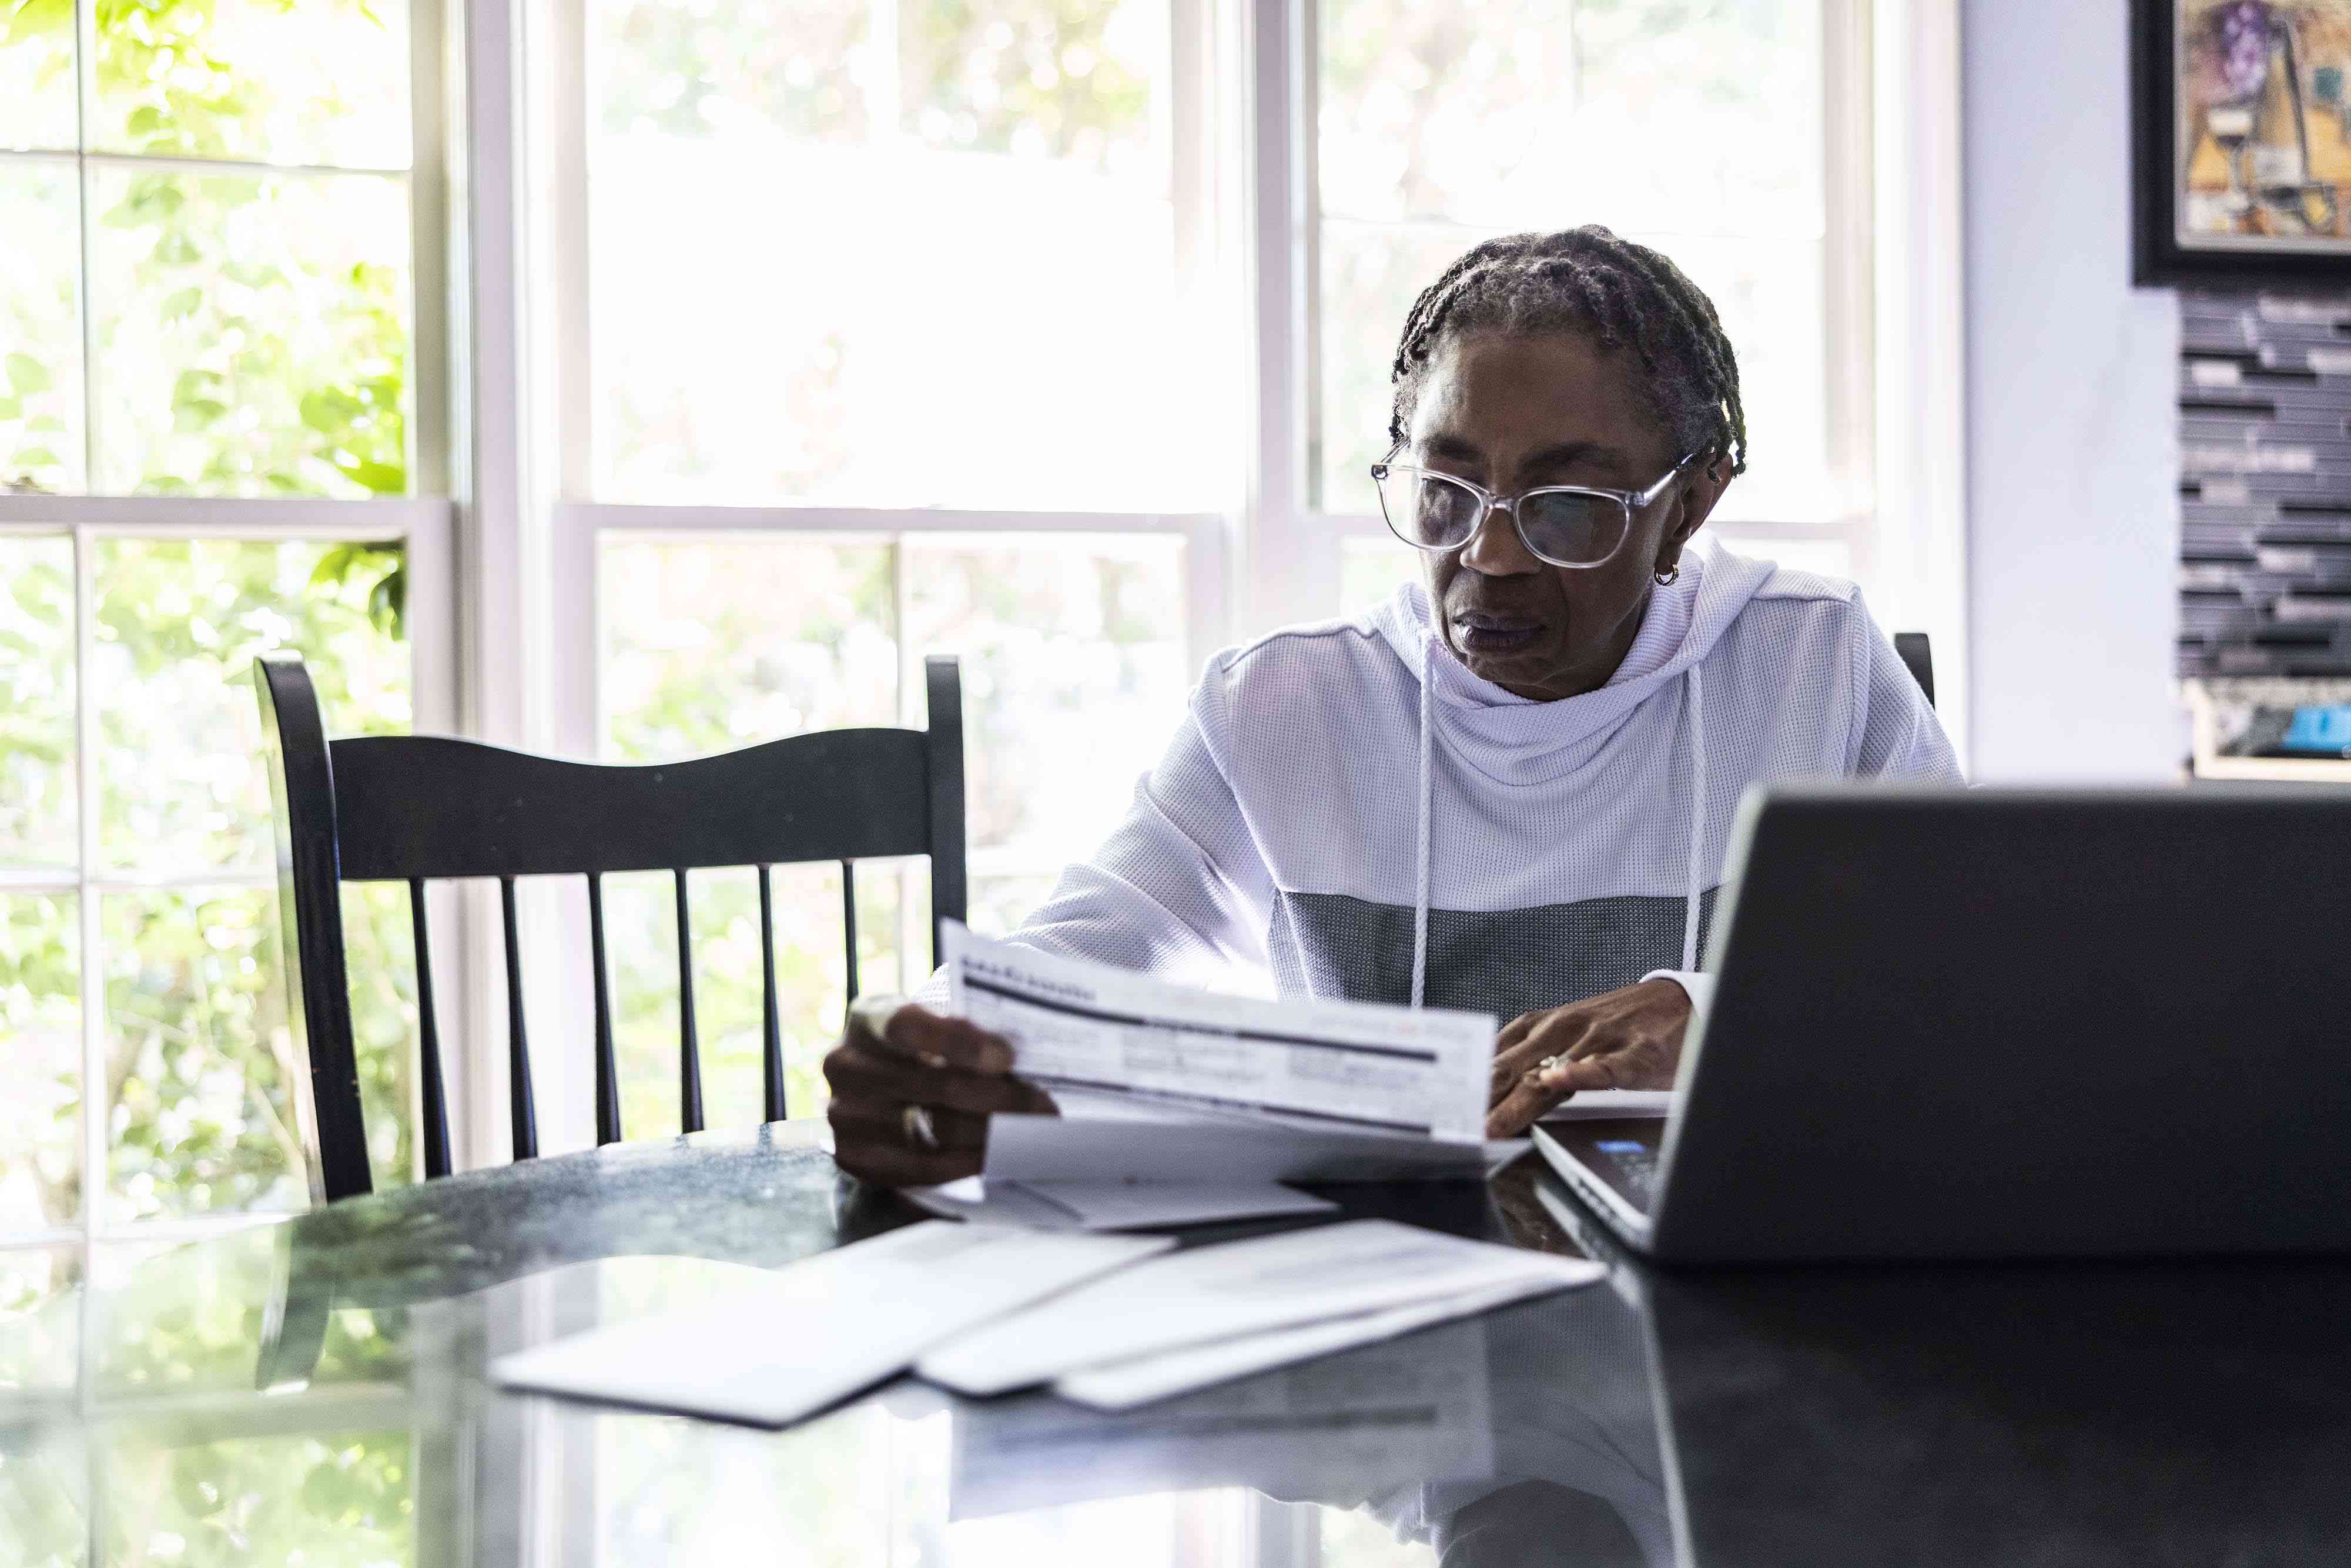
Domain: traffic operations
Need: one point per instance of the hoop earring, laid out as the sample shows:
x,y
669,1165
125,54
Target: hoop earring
x,y
1672,574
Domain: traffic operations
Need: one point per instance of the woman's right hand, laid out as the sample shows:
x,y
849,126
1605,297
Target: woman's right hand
x,y
893,1055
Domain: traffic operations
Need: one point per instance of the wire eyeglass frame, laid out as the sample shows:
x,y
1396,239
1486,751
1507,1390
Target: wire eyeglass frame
x,y
1628,502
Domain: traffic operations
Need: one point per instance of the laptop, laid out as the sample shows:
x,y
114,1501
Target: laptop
x,y
2005,1023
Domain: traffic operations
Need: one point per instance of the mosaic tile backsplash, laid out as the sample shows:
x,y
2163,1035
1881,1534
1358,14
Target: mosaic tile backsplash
x,y
2265,485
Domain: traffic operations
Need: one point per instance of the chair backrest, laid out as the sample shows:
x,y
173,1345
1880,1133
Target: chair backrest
x,y
415,809
1912,646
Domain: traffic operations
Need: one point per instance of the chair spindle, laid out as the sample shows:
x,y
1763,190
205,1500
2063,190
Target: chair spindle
x,y
520,1103
428,1057
849,920
689,1048
608,1079
771,1030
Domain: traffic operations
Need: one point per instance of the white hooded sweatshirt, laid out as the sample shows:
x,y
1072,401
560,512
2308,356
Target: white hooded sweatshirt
x,y
1346,806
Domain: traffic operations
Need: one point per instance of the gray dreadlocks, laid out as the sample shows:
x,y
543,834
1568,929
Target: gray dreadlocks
x,y
1624,294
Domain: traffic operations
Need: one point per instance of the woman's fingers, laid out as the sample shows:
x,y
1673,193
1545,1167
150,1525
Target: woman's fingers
x,y
1555,1033
920,1035
875,1080
870,1121
1585,1057
892,1055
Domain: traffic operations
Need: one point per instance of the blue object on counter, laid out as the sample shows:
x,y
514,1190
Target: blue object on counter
x,y
2319,732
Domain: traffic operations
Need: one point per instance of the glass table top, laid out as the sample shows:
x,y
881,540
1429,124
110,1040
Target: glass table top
x,y
312,1392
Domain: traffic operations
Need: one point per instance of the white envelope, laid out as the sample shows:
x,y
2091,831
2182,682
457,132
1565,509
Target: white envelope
x,y
1128,1384
1215,1293
823,1328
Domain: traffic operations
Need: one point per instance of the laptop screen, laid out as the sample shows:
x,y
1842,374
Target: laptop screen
x,y
1622,1154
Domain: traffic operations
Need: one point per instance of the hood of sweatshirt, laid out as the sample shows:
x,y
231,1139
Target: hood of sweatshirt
x,y
1515,741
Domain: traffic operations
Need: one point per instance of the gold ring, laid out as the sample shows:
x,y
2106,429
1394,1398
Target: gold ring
x,y
916,1122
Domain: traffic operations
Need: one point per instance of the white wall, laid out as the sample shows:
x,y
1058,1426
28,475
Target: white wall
x,y
2072,427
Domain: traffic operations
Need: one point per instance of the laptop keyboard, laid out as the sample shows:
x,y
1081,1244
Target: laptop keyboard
x,y
1636,1163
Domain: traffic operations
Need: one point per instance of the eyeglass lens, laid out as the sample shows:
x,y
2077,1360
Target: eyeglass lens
x,y
1435,513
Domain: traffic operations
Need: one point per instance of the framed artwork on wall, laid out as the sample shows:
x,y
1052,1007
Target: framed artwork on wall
x,y
2242,143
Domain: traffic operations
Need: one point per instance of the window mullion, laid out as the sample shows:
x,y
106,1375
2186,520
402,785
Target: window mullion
x,y
85,100
88,939
1289,568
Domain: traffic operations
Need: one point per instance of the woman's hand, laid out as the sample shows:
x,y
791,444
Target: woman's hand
x,y
893,1056
1630,1039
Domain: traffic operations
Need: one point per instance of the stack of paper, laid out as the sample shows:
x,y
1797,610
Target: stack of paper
x,y
1182,1106
824,1328
1200,1317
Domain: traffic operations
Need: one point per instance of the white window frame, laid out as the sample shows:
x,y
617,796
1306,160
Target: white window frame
x,y
425,523
422,522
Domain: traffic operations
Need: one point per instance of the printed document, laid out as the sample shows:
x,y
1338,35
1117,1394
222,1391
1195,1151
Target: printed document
x,y
1347,1066
821,1329
1083,1147
1210,1294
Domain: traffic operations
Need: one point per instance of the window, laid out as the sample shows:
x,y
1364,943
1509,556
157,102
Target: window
x,y
206,451
894,254
870,301
1701,130
1051,334
900,342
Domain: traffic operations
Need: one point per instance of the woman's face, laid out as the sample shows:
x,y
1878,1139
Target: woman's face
x,y
1512,413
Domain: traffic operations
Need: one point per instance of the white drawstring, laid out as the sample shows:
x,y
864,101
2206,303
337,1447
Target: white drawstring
x,y
1428,790
1697,820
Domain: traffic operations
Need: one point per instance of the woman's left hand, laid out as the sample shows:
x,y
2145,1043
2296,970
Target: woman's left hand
x,y
1630,1039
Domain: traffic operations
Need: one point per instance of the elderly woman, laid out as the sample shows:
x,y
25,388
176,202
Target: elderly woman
x,y
1506,789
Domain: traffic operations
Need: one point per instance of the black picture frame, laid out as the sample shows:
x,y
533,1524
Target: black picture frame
x,y
2158,259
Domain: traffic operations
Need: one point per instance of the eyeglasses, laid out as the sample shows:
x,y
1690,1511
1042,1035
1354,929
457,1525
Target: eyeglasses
x,y
1565,525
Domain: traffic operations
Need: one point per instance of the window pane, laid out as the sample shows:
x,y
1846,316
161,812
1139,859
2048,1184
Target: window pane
x,y
711,646
39,1327
324,1496
923,313
1371,275
1372,570
1000,904
253,333
1698,129
715,645
1830,558
1075,675
41,1068
279,81
380,958
179,1320
812,986
36,75
37,702
700,68
180,624
40,325
196,1042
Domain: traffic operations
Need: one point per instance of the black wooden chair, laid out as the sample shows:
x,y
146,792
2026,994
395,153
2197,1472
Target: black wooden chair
x,y
1912,646
417,808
